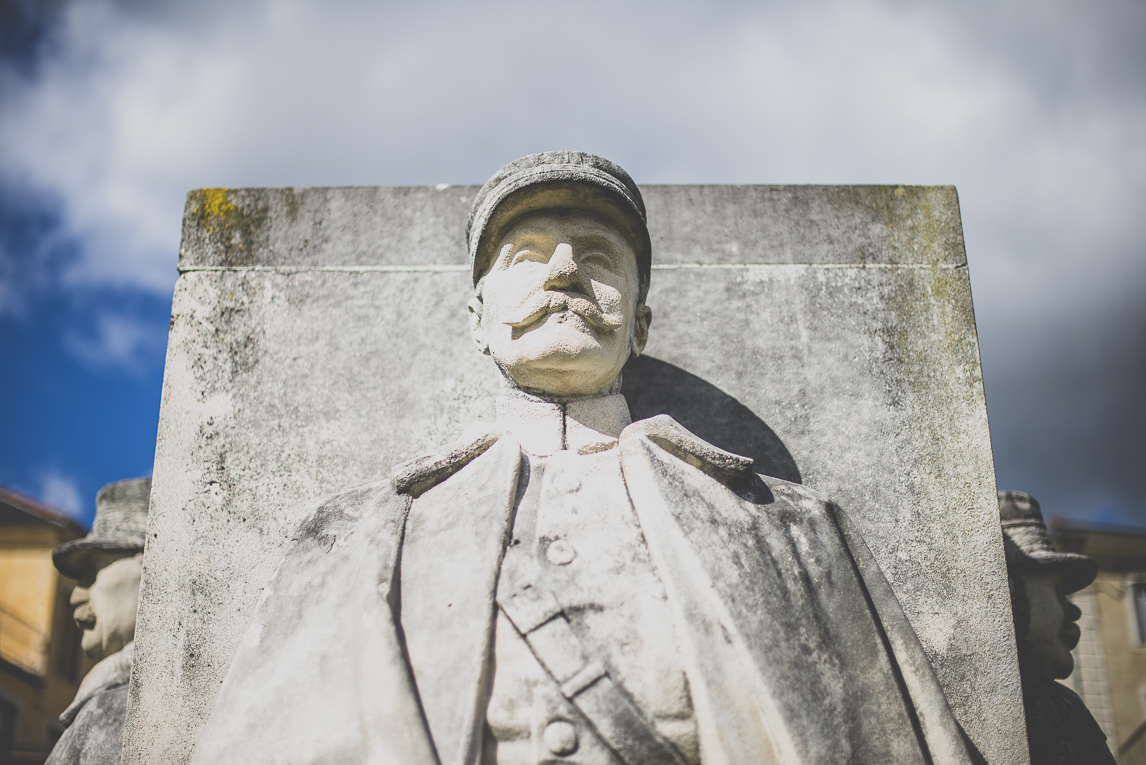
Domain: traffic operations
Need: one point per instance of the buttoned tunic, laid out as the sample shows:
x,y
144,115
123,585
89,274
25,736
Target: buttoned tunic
x,y
575,518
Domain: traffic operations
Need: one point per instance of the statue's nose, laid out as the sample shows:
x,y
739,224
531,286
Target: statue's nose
x,y
563,272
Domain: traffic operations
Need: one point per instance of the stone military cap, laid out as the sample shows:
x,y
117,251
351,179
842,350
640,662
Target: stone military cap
x,y
556,180
1028,545
120,524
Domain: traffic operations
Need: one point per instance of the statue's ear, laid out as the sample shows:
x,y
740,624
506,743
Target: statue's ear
x,y
644,317
477,330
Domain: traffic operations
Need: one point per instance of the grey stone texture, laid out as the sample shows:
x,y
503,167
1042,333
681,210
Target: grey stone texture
x,y
94,721
319,336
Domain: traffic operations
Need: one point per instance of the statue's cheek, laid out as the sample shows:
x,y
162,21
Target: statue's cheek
x,y
611,300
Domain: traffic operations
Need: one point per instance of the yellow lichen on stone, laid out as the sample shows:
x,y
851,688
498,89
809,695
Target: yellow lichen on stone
x,y
230,226
215,208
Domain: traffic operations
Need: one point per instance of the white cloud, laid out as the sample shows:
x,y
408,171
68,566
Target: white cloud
x,y
118,342
61,491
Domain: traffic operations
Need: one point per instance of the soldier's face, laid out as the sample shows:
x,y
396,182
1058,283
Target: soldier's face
x,y
105,603
559,304
1052,631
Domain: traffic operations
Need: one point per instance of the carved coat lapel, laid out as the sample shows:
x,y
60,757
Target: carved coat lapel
x,y
321,675
794,655
455,537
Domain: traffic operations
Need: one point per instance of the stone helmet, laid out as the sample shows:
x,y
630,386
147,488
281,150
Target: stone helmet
x,y
1028,547
553,180
120,525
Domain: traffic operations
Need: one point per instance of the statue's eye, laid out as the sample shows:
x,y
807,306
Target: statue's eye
x,y
598,259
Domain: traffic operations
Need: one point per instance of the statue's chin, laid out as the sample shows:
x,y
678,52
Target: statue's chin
x,y
563,374
560,358
92,645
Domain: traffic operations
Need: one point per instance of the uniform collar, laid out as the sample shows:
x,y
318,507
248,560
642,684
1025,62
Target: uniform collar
x,y
544,427
107,673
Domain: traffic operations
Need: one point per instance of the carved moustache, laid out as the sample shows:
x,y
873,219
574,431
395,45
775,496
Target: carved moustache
x,y
548,302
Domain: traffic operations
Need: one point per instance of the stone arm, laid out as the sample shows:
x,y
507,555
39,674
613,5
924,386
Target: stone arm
x,y
795,646
937,723
95,737
325,625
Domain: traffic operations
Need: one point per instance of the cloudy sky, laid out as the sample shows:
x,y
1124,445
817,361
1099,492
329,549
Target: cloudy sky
x,y
1035,110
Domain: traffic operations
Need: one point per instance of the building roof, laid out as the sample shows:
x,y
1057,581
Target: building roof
x,y
18,509
1115,547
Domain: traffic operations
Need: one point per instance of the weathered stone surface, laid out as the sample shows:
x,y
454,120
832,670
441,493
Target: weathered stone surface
x,y
94,721
319,336
95,734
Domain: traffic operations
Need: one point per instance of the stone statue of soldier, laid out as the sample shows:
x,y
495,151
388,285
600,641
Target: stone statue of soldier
x,y
566,585
107,565
1060,729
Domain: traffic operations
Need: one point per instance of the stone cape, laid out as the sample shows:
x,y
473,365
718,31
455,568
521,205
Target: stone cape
x,y
95,719
795,648
1060,729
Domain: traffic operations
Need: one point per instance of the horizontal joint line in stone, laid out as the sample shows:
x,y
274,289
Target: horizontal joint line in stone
x,y
338,269
441,268
683,266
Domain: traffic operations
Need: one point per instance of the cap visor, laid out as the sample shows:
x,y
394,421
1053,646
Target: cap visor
x,y
74,559
1077,570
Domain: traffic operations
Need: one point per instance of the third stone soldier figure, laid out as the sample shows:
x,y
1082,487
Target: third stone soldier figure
x,y
1060,729
107,565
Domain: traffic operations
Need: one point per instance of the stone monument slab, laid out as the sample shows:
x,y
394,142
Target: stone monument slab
x,y
319,336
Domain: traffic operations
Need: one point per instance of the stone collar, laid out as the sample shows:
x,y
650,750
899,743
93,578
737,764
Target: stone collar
x,y
113,671
582,425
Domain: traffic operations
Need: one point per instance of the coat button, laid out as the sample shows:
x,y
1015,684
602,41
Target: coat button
x,y
561,738
559,552
566,483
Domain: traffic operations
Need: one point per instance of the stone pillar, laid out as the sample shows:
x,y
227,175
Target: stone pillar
x,y
319,336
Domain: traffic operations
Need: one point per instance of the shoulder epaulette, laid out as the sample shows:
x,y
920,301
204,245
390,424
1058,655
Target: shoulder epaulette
x,y
421,474
674,438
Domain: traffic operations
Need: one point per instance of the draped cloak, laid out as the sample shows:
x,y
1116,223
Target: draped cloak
x,y
795,648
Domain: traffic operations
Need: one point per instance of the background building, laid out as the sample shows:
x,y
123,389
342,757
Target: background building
x,y
1110,660
41,662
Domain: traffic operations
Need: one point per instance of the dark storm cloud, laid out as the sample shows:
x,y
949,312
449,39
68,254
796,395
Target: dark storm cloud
x,y
1068,416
